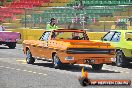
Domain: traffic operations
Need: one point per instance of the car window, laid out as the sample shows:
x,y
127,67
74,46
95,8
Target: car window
x,y
108,36
67,35
116,37
45,36
128,36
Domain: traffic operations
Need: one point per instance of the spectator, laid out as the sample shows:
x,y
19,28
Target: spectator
x,y
76,22
85,17
52,24
85,20
79,6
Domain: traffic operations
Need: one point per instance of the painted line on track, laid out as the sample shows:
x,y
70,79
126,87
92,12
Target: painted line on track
x,y
21,61
29,71
24,62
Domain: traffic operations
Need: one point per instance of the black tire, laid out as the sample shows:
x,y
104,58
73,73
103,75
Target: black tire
x,y
12,45
97,66
56,62
121,60
29,58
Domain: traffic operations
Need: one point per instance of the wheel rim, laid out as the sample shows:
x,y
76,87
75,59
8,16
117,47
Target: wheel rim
x,y
119,59
56,61
28,56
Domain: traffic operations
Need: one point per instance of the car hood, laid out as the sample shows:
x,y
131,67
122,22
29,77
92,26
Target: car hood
x,y
81,44
126,44
64,44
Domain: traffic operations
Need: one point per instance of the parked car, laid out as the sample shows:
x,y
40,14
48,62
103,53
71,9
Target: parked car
x,y
68,46
122,41
9,38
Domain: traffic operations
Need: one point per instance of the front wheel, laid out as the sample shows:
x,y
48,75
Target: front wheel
x,y
121,59
12,45
97,66
56,62
29,58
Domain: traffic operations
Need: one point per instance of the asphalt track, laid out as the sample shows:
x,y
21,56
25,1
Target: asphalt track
x,y
15,73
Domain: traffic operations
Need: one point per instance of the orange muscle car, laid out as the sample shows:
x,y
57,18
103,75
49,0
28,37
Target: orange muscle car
x,y
68,46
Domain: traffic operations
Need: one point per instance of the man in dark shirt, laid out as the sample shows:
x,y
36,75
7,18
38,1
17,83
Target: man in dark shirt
x,y
75,36
79,6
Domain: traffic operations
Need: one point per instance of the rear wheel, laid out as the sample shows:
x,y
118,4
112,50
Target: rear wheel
x,y
121,59
97,66
29,58
12,45
56,62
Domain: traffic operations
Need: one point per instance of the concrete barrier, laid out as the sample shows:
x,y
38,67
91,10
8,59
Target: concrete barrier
x,y
95,35
129,27
34,34
28,34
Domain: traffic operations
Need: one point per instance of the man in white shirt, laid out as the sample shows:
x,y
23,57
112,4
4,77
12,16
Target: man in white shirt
x,y
2,28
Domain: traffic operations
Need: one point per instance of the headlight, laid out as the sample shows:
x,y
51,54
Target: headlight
x,y
69,58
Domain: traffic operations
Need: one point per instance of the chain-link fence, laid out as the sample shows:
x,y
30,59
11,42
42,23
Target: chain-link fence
x,y
69,17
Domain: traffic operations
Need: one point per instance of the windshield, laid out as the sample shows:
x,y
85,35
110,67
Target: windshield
x,y
108,36
128,36
112,36
68,35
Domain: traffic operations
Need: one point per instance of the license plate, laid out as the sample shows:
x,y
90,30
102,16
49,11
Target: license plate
x,y
89,61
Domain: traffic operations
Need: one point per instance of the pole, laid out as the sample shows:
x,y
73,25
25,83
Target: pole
x,y
104,17
25,18
104,24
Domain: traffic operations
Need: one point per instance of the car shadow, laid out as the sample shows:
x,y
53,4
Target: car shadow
x,y
74,68
129,66
5,47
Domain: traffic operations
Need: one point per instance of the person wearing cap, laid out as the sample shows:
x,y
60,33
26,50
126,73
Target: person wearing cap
x,y
52,24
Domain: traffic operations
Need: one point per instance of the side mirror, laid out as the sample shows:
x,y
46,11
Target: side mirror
x,y
101,38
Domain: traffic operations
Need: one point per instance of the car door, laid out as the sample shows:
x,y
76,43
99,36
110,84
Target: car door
x,y
34,49
113,38
115,41
43,45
